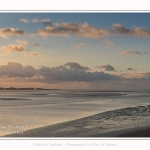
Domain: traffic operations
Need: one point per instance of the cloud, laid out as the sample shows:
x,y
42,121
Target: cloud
x,y
119,29
67,77
32,35
14,69
108,42
106,67
35,20
24,20
63,74
32,54
139,76
66,29
6,32
60,73
79,45
76,66
36,45
85,30
124,53
13,48
146,74
47,22
130,69
22,42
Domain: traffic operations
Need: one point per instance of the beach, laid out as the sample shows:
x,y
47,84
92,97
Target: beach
x,y
138,133
126,122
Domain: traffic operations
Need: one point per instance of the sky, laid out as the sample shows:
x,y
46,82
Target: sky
x,y
105,51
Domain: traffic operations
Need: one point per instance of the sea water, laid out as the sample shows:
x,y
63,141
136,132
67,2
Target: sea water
x,y
22,110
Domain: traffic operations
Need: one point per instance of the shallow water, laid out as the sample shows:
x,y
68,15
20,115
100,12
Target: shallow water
x,y
24,110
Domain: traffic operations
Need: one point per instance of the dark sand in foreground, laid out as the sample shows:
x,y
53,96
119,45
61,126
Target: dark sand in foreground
x,y
127,122
138,133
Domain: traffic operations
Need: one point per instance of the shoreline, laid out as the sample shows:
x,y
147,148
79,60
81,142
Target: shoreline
x,y
126,122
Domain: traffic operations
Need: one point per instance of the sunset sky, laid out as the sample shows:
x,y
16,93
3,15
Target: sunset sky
x,y
106,51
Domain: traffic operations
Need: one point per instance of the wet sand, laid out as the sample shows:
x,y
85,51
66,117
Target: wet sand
x,y
138,133
127,122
